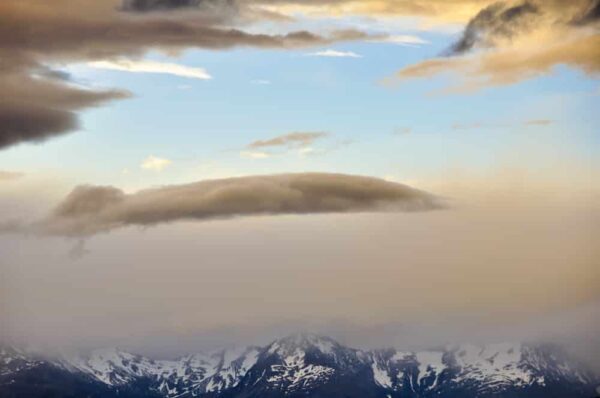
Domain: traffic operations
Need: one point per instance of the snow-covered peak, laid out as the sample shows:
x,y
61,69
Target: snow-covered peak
x,y
197,373
303,342
302,363
493,364
14,360
113,366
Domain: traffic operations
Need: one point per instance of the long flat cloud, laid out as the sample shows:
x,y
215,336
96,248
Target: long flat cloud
x,y
298,138
41,106
168,68
89,210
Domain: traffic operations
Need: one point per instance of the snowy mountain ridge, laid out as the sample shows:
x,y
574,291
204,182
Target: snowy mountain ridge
x,y
314,366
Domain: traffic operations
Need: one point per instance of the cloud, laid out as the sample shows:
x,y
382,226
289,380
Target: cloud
x,y
152,67
402,130
10,175
260,82
161,5
35,107
539,122
509,66
295,139
403,40
78,250
299,142
590,15
497,21
155,163
255,154
89,210
482,125
335,54
518,40
433,11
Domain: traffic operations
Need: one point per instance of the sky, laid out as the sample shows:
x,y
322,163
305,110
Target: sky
x,y
176,175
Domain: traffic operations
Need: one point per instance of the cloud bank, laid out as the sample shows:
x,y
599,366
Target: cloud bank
x,y
89,210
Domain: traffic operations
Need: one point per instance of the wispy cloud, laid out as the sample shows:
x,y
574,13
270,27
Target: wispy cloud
x,y
128,65
255,154
155,163
483,125
335,54
403,40
295,139
402,130
300,143
260,82
539,122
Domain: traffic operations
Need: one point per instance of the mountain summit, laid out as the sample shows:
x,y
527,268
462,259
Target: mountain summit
x,y
302,365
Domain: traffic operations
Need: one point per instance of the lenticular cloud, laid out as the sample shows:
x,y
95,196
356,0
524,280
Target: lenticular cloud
x,y
89,210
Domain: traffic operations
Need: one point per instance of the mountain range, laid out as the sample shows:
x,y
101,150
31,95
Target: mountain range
x,y
302,365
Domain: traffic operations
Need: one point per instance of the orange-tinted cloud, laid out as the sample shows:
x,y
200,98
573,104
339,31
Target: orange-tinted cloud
x,y
511,65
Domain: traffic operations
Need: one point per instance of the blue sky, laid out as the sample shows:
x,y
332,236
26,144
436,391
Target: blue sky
x,y
405,130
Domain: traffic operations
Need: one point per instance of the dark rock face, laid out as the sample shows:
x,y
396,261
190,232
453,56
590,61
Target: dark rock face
x,y
306,366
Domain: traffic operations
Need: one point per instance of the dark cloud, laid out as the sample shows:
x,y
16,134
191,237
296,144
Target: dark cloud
x,y
499,20
53,74
153,5
67,31
33,109
505,20
295,139
226,12
525,39
590,15
89,210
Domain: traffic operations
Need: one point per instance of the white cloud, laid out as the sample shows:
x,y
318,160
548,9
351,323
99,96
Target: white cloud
x,y
255,155
335,53
155,163
262,82
403,40
152,67
307,151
